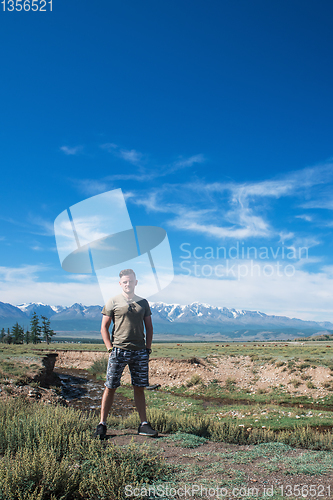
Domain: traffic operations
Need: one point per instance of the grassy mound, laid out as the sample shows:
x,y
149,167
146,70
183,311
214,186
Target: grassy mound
x,y
49,453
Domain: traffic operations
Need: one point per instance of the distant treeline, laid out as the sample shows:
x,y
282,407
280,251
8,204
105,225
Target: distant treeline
x,y
322,338
37,332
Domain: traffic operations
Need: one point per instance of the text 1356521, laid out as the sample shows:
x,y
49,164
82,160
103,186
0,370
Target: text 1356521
x,y
26,5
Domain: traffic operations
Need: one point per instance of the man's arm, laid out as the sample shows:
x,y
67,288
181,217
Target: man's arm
x,y
106,322
149,331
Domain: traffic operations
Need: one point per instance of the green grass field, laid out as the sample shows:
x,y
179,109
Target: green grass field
x,y
47,452
317,353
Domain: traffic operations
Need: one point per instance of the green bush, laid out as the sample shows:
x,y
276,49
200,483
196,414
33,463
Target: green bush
x,y
231,432
230,384
195,379
38,474
99,366
49,453
302,366
31,425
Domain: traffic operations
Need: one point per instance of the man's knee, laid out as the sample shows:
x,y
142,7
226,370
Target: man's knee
x,y
109,392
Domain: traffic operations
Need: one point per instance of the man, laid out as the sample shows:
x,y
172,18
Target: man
x,y
128,345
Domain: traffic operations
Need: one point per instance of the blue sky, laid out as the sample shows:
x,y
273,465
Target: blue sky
x,y
215,120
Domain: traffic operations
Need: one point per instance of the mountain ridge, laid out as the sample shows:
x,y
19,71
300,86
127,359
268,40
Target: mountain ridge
x,y
195,319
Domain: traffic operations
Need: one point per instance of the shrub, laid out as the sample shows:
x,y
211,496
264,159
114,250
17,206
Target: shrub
x,y
302,366
296,383
195,361
50,454
261,391
99,366
37,474
195,379
230,384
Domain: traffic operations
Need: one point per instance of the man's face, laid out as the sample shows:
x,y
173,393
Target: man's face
x,y
128,283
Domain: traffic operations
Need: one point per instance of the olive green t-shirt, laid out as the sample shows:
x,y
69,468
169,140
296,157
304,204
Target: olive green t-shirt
x,y
127,317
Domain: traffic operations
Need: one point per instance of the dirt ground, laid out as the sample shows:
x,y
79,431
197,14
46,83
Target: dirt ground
x,y
216,464
241,472
247,374
48,396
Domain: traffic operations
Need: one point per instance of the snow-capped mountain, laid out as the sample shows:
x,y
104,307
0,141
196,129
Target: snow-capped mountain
x,y
192,319
9,311
40,309
205,314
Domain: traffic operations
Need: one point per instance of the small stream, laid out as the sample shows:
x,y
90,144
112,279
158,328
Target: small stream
x,y
82,391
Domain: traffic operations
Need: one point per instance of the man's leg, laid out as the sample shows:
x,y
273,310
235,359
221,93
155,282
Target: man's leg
x,y
140,402
116,365
139,375
145,428
107,400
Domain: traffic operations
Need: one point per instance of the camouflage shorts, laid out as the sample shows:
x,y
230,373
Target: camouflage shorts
x,y
137,362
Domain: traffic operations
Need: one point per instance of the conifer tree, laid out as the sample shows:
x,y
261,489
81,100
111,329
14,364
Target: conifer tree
x,y
17,333
2,335
35,329
8,338
47,332
27,336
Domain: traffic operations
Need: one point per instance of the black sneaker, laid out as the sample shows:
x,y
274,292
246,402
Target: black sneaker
x,y
146,430
100,431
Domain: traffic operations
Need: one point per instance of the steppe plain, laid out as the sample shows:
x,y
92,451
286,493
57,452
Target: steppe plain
x,y
259,390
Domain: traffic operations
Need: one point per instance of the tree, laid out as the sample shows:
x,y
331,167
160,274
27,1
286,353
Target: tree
x,y
17,333
2,335
8,339
27,336
46,330
35,329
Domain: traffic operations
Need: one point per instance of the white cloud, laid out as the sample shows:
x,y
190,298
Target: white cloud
x,y
92,186
198,222
289,292
305,295
139,159
19,285
285,236
305,217
64,294
132,156
20,274
88,229
185,163
235,210
71,150
46,227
